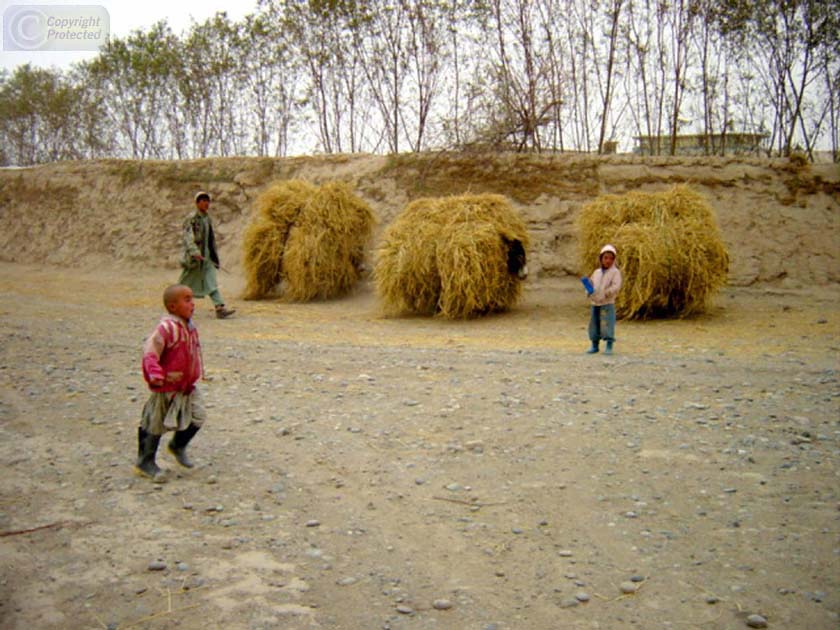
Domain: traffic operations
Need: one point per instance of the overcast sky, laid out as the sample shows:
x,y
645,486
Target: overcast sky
x,y
125,16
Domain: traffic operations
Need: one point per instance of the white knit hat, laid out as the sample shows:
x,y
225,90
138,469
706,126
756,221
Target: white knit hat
x,y
608,248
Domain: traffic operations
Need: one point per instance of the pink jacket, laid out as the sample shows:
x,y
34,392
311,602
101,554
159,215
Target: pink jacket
x,y
172,353
606,284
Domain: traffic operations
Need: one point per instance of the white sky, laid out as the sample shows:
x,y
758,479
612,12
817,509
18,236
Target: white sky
x,y
125,17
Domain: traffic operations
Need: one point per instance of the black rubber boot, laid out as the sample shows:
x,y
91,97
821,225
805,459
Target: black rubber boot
x,y
178,444
146,451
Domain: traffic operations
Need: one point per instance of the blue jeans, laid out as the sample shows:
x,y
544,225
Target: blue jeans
x,y
602,323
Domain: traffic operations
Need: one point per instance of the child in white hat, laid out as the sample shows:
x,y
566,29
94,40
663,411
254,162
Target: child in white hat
x,y
605,284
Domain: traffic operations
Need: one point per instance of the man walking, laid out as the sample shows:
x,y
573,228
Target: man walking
x,y
200,259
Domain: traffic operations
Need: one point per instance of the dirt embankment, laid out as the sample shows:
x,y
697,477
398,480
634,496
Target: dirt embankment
x,y
358,471
779,219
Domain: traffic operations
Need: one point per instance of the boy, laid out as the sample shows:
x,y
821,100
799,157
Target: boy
x,y
171,366
606,282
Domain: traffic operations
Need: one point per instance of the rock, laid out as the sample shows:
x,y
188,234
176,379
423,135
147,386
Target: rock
x,y
157,565
182,566
347,581
569,602
628,587
405,610
637,578
711,599
565,553
442,604
582,596
756,621
313,523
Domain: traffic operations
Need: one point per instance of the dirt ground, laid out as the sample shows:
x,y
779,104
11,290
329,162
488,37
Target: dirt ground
x,y
363,472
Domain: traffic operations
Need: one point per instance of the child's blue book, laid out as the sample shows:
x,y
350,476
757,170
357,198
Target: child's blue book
x,y
587,284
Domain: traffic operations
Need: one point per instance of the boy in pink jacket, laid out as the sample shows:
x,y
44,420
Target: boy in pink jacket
x,y
171,367
606,282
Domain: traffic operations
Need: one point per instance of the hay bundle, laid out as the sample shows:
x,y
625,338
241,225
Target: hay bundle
x,y
310,239
670,251
449,256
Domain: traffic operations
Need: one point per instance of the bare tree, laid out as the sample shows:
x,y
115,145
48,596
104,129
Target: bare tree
x,y
390,75
211,84
524,99
41,116
271,76
325,36
132,77
606,95
426,54
681,19
385,50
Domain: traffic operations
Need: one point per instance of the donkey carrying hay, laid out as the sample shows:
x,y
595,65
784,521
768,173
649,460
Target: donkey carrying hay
x,y
458,257
671,253
309,241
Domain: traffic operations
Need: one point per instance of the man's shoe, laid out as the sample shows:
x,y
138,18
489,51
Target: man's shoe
x,y
223,313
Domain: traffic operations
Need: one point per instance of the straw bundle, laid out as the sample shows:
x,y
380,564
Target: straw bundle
x,y
670,251
310,239
449,256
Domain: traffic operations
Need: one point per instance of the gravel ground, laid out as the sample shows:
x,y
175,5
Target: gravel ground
x,y
363,472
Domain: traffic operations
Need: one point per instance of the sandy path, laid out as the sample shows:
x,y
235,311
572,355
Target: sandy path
x,y
356,469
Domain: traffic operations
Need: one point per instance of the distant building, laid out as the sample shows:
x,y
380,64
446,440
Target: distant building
x,y
701,144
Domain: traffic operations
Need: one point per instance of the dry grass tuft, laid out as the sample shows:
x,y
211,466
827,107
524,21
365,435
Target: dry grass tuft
x,y
308,240
670,251
449,256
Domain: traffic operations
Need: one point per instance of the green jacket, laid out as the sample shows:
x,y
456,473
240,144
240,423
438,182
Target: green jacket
x,y
198,238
